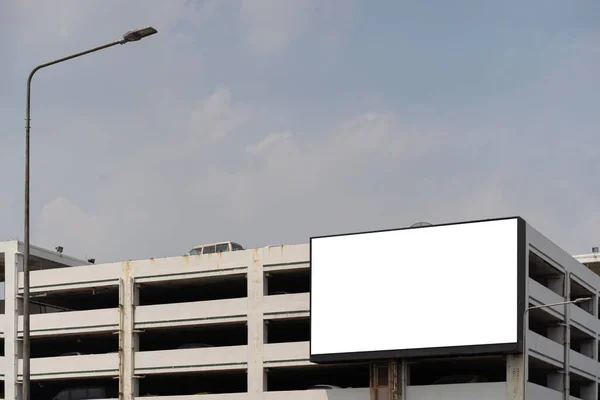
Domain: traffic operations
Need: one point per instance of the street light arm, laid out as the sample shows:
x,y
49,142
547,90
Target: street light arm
x,y
576,301
562,303
67,58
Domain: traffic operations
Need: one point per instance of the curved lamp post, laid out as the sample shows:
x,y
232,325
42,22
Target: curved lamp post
x,y
130,36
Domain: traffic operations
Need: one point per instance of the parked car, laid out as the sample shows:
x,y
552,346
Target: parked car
x,y
216,248
83,393
323,386
71,353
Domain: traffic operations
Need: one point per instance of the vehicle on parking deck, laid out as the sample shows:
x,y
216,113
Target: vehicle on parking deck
x,y
216,248
323,386
81,393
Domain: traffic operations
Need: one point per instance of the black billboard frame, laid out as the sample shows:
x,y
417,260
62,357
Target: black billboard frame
x,y
450,351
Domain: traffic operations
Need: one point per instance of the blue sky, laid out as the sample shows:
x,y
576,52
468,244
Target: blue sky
x,y
269,121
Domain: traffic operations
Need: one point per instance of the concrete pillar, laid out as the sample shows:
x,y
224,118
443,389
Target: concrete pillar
x,y
256,326
134,336
404,378
514,376
130,299
590,349
13,305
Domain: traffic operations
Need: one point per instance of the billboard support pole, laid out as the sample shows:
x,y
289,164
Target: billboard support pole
x,y
396,392
403,365
384,380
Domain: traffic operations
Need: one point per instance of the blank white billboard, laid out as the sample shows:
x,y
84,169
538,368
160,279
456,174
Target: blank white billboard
x,y
437,290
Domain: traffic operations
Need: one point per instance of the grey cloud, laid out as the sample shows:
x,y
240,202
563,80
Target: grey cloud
x,y
369,172
141,153
216,117
272,24
191,195
268,142
63,223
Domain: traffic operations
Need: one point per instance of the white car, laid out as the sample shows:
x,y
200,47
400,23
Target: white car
x,y
323,386
212,248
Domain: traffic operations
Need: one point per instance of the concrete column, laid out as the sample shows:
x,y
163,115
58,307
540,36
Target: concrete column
x,y
134,295
514,376
12,307
590,349
404,377
593,390
256,326
130,299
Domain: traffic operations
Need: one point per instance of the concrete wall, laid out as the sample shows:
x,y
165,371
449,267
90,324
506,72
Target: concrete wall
x,y
12,347
82,366
204,359
127,277
105,320
343,394
194,313
574,274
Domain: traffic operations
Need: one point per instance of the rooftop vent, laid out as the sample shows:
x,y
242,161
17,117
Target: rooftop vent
x,y
595,250
420,224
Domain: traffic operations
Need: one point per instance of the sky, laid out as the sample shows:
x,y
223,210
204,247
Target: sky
x,y
267,122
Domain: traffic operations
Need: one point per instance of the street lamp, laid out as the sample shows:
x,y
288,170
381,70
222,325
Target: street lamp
x,y
130,36
138,34
525,329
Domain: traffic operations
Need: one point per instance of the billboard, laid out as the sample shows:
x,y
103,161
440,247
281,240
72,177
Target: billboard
x,y
438,290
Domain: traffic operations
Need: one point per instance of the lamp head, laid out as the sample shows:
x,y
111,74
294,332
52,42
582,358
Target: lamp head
x,y
138,34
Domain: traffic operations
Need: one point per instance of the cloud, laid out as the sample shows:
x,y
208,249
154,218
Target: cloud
x,y
216,117
6,210
273,25
172,194
328,181
63,223
64,19
268,142
140,143
4,202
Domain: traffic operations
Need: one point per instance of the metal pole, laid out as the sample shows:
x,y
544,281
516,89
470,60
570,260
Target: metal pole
x,y
26,336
